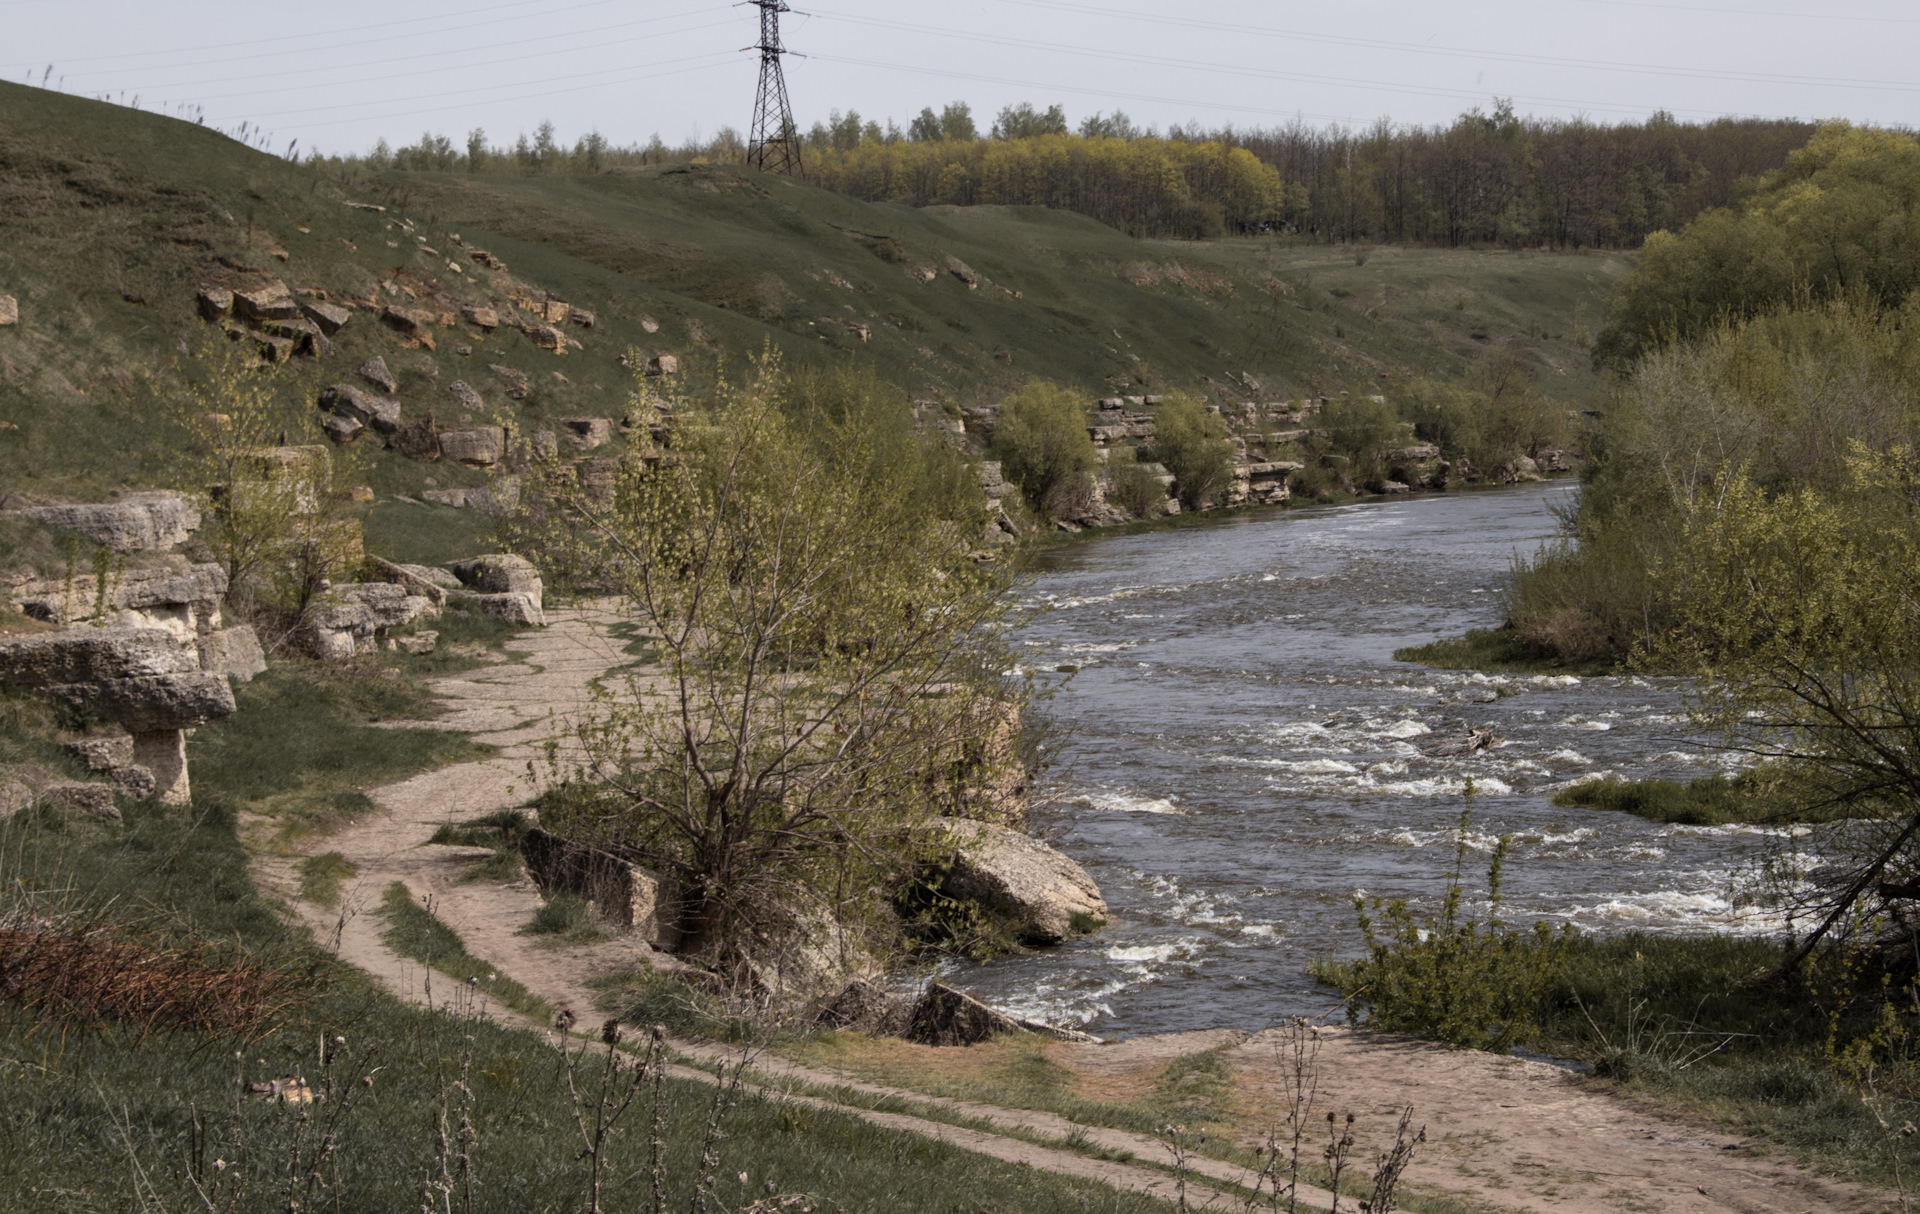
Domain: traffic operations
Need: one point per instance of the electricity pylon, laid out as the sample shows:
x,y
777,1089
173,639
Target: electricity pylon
x,y
775,143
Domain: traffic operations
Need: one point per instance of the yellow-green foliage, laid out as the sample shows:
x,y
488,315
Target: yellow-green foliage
x,y
1194,446
1840,219
273,514
1780,397
1493,416
1147,186
1796,612
828,656
1131,485
1465,982
1042,441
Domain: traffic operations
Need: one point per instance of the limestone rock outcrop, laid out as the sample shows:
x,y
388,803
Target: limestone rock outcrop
x,y
174,594
139,522
355,618
1045,894
149,681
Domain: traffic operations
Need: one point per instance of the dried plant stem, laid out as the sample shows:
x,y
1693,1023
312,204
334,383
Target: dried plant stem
x,y
1339,1146
1392,1163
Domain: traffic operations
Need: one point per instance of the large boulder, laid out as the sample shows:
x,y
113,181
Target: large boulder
x,y
92,655
330,318
269,302
344,400
481,446
354,618
423,580
144,679
155,703
522,609
1046,895
9,310
84,800
180,597
139,522
866,1007
233,652
586,433
945,1016
499,573
375,372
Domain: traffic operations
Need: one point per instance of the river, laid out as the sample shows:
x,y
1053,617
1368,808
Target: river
x,y
1240,753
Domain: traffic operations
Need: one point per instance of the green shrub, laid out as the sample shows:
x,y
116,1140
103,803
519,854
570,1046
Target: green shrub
x,y
1042,442
1709,801
1132,485
1194,446
1467,983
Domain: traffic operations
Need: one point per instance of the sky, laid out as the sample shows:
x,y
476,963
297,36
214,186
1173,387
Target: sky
x,y
340,76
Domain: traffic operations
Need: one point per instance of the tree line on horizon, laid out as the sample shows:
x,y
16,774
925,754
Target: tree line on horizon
x,y
1488,179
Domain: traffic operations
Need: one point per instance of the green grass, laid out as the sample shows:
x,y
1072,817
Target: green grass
x,y
92,1116
497,829
321,875
564,917
414,931
1496,651
304,743
1704,1023
1708,801
118,217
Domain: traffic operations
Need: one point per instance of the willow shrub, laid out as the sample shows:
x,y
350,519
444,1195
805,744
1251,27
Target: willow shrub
x,y
1195,446
1780,398
1459,980
1042,441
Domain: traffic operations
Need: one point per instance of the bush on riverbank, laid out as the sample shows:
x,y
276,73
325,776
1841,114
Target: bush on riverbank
x,y
1811,1061
828,676
1779,397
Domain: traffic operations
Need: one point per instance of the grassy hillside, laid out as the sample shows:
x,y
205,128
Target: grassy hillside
x,y
110,219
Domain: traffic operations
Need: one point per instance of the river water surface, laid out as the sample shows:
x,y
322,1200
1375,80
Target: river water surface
x,y
1242,753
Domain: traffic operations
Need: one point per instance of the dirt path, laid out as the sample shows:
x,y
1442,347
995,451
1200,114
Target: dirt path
x,y
1502,1132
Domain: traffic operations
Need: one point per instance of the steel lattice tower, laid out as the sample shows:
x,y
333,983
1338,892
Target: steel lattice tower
x,y
775,143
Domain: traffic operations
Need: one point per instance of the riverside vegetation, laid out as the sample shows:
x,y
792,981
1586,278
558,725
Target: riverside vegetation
x,y
791,796
1747,520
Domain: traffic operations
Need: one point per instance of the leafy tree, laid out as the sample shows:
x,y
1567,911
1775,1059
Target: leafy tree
x,y
1195,447
275,516
476,149
1042,441
1492,417
956,123
925,128
828,659
1022,121
1841,219
1780,397
1118,126
1796,612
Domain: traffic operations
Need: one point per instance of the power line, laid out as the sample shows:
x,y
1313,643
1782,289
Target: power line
x,y
520,56
359,34
1467,52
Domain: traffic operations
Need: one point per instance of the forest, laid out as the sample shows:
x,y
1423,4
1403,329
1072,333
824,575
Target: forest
x,y
1488,179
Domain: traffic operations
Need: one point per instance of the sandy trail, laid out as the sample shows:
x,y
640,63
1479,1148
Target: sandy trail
x,y
1503,1132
